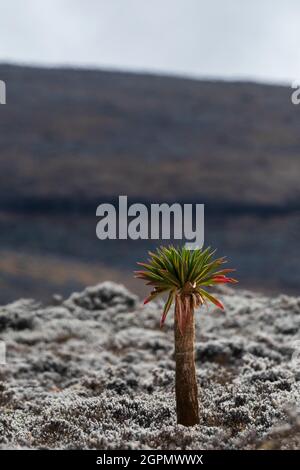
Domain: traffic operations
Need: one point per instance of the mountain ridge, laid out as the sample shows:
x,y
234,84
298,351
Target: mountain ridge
x,y
72,139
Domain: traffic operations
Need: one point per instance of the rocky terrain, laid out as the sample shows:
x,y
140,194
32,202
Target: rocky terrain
x,y
95,371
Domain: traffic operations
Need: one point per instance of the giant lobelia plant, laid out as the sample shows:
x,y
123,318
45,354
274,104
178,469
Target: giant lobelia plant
x,y
185,276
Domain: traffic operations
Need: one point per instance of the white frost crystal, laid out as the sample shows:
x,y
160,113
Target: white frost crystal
x,y
97,372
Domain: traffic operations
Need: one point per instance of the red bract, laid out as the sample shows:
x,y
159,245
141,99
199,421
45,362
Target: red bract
x,y
224,279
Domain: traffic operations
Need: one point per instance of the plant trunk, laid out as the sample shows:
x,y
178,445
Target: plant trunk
x,y
186,384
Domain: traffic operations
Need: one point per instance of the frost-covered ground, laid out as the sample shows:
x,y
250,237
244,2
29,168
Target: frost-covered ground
x,y
95,371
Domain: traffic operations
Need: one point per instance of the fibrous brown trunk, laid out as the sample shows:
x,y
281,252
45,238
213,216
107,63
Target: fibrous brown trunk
x,y
186,383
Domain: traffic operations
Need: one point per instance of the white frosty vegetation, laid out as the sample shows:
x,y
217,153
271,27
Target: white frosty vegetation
x,y
97,372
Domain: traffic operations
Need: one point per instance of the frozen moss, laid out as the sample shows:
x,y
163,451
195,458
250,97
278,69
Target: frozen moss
x,y
96,371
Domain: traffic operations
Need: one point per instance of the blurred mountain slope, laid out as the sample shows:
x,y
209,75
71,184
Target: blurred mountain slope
x,y
73,136
72,139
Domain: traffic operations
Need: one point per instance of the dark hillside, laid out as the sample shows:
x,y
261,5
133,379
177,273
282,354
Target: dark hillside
x,y
70,139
